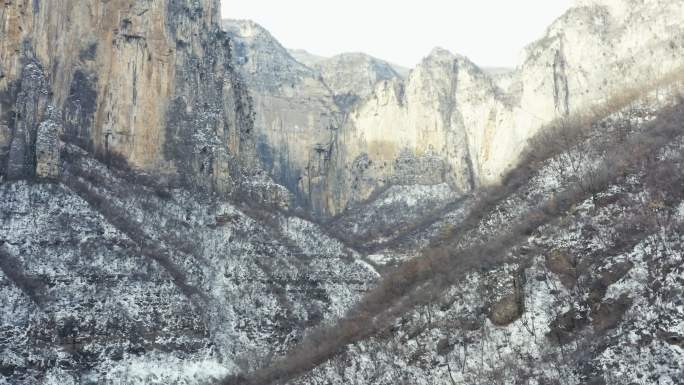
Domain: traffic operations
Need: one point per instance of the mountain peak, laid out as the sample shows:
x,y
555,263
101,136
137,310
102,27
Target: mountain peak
x,y
440,57
245,28
442,54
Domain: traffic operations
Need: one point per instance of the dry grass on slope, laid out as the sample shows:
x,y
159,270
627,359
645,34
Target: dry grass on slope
x,y
419,280
73,177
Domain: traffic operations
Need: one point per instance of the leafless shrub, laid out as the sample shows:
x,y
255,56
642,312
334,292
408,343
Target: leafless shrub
x,y
119,165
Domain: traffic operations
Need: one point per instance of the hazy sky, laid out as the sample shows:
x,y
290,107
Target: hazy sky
x,y
489,32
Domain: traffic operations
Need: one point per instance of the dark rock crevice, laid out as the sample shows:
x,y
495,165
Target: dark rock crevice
x,y
26,115
561,87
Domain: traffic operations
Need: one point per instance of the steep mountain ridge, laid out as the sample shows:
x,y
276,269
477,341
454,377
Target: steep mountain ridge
x,y
470,125
300,108
312,60
353,76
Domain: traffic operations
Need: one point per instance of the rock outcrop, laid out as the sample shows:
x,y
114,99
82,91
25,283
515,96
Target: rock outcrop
x,y
595,52
49,146
148,81
425,130
30,103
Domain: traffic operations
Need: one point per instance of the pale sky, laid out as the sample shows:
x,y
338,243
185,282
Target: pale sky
x,y
489,32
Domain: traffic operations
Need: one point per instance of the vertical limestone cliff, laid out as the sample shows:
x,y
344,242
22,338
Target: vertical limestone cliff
x,y
150,81
480,125
424,131
596,52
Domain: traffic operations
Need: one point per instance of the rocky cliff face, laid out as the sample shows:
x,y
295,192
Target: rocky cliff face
x,y
295,112
418,132
300,109
150,82
452,122
598,49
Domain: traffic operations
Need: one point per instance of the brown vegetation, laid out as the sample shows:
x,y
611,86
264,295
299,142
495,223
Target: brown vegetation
x,y
30,286
121,221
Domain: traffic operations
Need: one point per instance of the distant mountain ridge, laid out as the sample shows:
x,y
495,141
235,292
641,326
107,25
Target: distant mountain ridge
x,y
311,60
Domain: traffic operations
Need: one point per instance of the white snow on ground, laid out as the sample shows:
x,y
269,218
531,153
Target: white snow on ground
x,y
414,195
162,369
